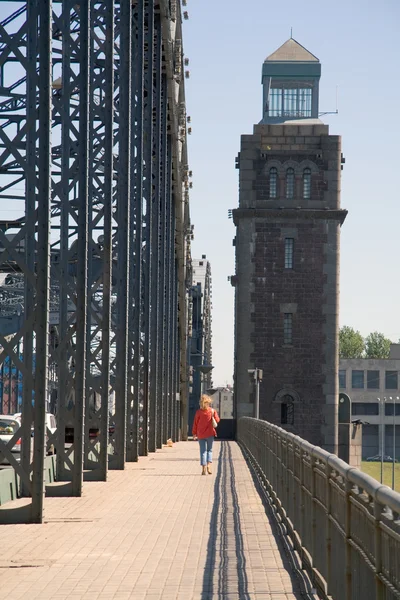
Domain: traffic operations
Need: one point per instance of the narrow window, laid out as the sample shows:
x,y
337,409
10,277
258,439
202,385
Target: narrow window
x,y
287,328
373,380
273,182
357,379
390,407
290,183
342,379
287,410
307,183
391,380
289,253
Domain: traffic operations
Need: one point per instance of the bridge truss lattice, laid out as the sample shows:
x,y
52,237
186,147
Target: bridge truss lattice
x,y
94,267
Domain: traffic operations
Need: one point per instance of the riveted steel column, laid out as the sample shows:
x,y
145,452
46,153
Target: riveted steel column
x,y
135,323
100,219
176,361
107,241
154,428
161,357
174,327
89,389
30,203
82,245
170,266
123,218
173,323
166,297
43,257
64,376
148,310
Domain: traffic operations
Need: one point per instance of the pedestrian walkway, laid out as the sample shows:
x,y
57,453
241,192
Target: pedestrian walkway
x,y
156,531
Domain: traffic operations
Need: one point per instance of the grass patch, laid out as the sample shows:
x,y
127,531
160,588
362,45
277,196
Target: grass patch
x,y
374,470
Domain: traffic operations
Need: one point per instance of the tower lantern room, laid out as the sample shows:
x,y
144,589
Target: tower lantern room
x,y
290,79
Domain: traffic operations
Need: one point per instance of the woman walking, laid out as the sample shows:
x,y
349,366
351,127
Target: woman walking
x,y
204,431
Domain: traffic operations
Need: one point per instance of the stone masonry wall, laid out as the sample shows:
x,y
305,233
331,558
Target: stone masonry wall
x,y
306,369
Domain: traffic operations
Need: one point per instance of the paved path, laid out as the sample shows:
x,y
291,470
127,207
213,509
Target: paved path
x,y
159,530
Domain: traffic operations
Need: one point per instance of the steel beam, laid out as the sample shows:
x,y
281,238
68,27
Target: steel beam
x,y
154,398
124,234
43,256
136,273
147,219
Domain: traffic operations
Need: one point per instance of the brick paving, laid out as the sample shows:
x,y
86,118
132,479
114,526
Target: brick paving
x,y
156,531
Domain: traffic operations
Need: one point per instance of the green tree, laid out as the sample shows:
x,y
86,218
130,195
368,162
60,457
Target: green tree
x,y
351,343
377,345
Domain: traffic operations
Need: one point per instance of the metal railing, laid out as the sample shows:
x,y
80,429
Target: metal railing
x,y
344,524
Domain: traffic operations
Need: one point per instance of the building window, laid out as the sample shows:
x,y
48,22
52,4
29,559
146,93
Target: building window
x,y
287,410
307,183
287,328
391,380
389,408
273,182
342,379
373,380
290,102
290,183
289,243
357,380
365,408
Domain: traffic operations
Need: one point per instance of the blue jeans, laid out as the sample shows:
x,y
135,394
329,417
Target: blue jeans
x,y
206,445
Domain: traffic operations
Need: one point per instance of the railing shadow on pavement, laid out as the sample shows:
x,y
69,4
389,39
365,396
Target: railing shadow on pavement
x,y
216,580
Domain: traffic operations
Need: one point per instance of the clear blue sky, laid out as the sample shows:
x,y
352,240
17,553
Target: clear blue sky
x,y
357,43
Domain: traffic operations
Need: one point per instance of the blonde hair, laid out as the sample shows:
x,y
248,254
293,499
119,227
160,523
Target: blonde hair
x,y
205,400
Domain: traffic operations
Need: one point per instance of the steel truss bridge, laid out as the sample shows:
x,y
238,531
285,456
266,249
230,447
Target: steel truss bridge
x,y
95,262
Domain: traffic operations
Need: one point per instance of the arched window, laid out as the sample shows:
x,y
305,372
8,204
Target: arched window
x,y
287,410
290,183
273,182
307,183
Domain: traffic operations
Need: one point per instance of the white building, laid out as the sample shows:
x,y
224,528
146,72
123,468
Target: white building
x,y
373,387
222,401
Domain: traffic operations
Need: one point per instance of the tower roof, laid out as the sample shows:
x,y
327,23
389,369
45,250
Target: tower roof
x,y
291,51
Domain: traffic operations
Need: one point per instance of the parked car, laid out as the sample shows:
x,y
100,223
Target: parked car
x,y
51,426
377,458
8,426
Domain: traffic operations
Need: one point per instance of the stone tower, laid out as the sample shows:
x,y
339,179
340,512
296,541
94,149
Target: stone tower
x,y
287,254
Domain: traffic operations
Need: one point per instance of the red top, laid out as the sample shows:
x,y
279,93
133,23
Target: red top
x,y
202,424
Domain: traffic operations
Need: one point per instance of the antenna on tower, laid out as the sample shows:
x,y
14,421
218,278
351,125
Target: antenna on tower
x,y
332,112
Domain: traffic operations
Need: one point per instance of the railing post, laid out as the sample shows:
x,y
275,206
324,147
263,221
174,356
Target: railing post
x,y
347,529
313,517
280,473
267,440
294,495
287,487
302,507
328,529
379,588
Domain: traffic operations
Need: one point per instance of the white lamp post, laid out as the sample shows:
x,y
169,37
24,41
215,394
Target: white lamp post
x,y
394,439
258,375
382,426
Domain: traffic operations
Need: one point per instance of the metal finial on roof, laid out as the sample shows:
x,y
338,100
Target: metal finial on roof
x,y
291,32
